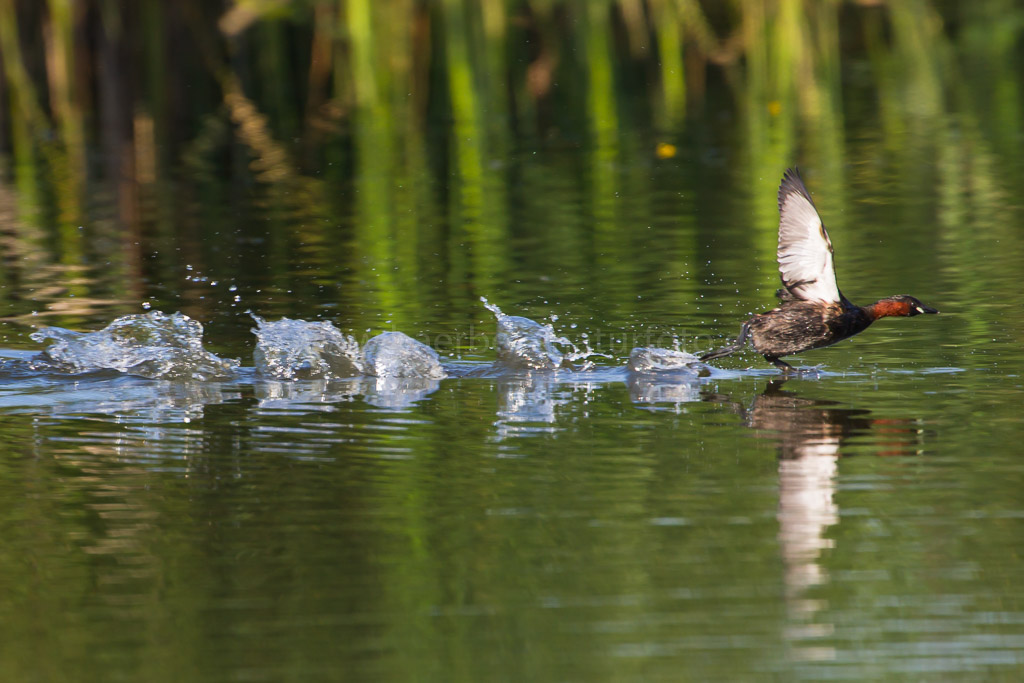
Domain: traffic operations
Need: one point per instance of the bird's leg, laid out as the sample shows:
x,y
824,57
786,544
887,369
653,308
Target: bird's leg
x,y
737,345
781,364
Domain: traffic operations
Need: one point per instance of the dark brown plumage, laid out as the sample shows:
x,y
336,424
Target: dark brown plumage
x,y
812,312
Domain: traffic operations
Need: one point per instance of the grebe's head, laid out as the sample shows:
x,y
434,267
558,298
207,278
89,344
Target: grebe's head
x,y
902,305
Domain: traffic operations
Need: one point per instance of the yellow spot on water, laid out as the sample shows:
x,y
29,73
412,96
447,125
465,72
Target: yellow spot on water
x,y
774,107
665,150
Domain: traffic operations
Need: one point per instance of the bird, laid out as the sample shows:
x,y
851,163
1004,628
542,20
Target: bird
x,y
812,312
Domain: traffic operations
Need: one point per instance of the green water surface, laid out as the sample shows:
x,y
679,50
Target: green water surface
x,y
864,521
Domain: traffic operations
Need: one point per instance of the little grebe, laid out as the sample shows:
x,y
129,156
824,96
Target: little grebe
x,y
813,312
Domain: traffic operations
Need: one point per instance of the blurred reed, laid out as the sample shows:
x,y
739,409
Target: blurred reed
x,y
395,119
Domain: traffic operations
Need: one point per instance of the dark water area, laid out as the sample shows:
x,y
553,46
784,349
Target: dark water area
x,y
493,520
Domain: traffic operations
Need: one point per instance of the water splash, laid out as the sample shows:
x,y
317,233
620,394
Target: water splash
x,y
394,354
299,349
525,343
651,359
154,345
664,376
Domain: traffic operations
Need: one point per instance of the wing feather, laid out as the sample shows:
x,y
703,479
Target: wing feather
x,y
805,251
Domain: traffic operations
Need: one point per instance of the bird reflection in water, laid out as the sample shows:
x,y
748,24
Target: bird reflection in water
x,y
810,435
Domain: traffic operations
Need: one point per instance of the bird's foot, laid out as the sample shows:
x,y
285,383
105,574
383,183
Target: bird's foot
x,y
789,371
814,371
782,365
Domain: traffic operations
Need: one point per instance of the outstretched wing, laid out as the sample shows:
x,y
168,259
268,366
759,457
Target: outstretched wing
x,y
805,251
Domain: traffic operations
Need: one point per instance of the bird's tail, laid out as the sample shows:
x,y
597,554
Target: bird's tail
x,y
737,345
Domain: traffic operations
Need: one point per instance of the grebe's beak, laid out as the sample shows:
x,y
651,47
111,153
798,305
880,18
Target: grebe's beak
x,y
925,309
